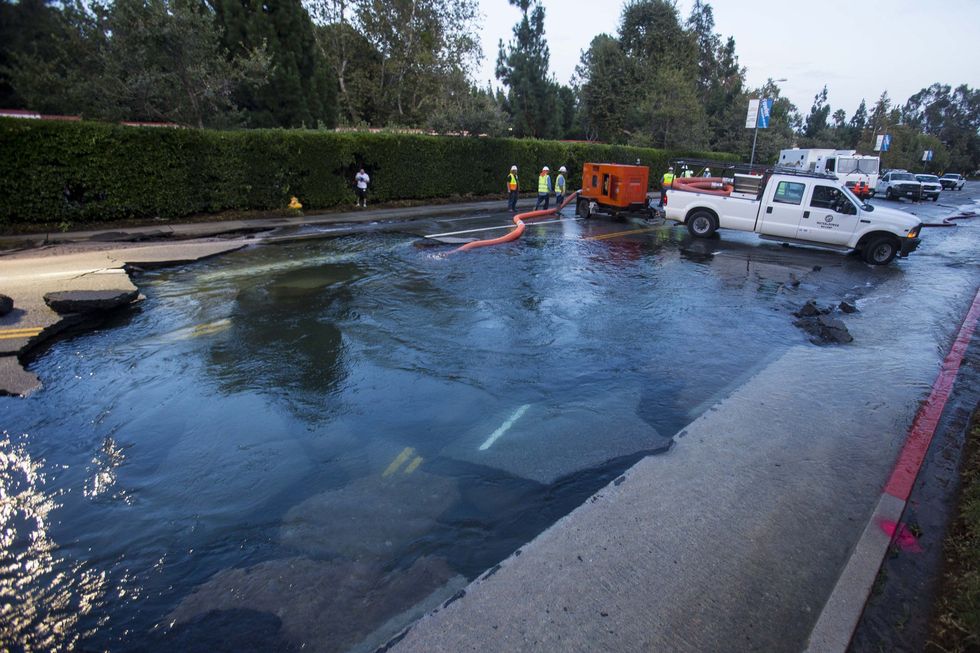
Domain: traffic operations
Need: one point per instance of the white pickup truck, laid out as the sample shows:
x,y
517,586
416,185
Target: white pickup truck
x,y
792,206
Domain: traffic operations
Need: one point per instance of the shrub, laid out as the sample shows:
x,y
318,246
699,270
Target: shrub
x,y
81,171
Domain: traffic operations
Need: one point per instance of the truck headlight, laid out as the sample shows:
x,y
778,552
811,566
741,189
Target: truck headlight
x,y
914,233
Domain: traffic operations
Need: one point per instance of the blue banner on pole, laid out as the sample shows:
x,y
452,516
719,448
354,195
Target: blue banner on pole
x,y
886,142
765,106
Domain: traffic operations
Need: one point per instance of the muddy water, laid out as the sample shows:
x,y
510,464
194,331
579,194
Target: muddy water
x,y
308,445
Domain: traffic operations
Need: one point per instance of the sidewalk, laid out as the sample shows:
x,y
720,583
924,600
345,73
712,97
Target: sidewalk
x,y
217,228
734,540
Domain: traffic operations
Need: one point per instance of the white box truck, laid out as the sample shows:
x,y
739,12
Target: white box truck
x,y
792,206
858,172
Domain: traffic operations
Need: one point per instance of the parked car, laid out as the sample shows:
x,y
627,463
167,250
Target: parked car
x,y
899,183
952,181
930,186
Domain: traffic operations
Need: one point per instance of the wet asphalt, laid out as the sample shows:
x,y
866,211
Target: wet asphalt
x,y
376,415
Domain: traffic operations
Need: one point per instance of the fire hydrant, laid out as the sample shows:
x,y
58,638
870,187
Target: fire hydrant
x,y
294,203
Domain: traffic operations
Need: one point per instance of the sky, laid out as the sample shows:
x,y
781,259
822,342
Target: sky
x,y
858,49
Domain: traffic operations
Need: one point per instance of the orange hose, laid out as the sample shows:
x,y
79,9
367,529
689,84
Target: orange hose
x,y
519,219
706,185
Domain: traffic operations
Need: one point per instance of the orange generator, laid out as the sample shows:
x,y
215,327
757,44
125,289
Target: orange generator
x,y
614,189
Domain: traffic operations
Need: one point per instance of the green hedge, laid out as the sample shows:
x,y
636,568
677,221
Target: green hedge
x,y
79,171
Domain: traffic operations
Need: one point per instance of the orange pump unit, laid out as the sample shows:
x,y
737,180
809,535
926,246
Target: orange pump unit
x,y
614,188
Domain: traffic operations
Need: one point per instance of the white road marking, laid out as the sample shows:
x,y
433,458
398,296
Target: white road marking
x,y
505,226
503,428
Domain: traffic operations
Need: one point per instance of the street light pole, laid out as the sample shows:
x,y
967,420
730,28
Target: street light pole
x,y
755,130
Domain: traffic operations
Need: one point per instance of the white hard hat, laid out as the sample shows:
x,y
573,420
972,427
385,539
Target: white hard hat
x,y
562,169
546,169
513,167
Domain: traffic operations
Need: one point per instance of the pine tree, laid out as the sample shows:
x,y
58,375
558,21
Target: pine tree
x,y
300,90
532,95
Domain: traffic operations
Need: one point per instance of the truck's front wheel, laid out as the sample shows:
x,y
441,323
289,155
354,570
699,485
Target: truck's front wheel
x,y
701,224
880,250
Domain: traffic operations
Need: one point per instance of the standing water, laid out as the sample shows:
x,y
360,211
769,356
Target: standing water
x,y
309,445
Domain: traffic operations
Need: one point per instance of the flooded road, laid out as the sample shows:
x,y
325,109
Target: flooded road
x,y
307,445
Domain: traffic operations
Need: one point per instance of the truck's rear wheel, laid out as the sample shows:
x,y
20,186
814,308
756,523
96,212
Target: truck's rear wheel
x,y
582,208
701,224
880,250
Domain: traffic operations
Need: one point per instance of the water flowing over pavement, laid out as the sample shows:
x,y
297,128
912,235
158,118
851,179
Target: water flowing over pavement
x,y
309,445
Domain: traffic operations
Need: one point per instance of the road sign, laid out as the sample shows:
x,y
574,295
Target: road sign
x,y
765,107
886,143
752,115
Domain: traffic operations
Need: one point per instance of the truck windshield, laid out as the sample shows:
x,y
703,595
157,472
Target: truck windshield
x,y
867,166
902,176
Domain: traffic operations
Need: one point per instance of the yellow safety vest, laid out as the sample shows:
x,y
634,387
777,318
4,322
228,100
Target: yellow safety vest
x,y
668,178
560,185
543,182
512,181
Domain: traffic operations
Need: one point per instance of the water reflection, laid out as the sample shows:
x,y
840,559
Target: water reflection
x,y
44,596
285,335
105,463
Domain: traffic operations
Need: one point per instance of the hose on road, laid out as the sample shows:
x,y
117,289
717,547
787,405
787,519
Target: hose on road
x,y
516,232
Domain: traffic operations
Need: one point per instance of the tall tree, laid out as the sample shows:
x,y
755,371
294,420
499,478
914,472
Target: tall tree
x,y
651,32
48,56
669,115
952,116
421,44
604,79
154,60
463,108
300,91
522,65
815,126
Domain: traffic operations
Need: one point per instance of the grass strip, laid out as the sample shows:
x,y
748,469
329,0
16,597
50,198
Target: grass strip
x,y
956,623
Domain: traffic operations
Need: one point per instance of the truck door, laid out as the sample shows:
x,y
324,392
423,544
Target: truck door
x,y
784,210
830,216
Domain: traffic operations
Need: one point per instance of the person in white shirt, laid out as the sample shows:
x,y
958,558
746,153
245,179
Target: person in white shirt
x,y
361,180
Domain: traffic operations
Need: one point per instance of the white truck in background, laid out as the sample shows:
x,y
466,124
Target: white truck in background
x,y
792,206
858,172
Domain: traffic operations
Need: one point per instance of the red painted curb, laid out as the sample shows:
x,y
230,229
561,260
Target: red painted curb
x,y
925,422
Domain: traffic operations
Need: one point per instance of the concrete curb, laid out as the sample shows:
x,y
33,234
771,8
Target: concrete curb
x,y
843,609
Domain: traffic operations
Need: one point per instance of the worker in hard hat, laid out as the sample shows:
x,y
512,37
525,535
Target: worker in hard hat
x,y
512,189
666,183
560,186
544,188
687,172
706,173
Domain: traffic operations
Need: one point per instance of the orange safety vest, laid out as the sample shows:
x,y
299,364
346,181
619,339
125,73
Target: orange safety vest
x,y
512,181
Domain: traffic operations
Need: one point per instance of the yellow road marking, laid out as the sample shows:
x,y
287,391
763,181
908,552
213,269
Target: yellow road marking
x,y
12,334
413,465
620,233
397,462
